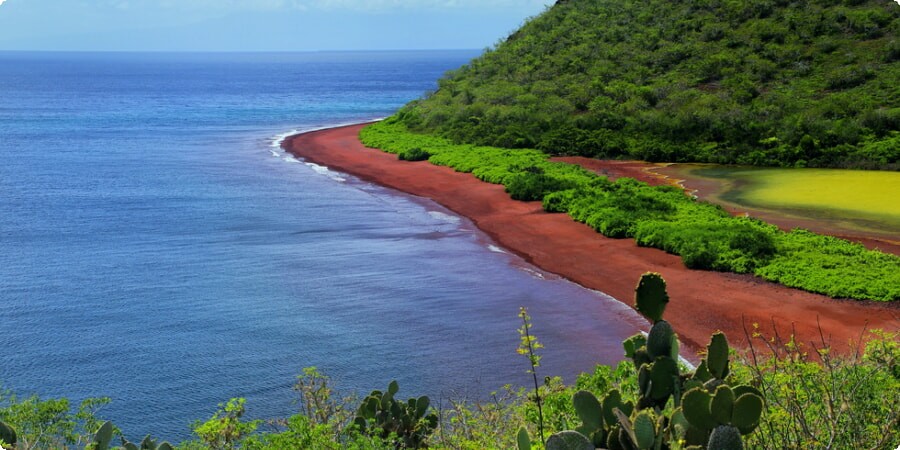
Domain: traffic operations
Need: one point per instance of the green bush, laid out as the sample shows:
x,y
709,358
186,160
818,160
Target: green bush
x,y
414,154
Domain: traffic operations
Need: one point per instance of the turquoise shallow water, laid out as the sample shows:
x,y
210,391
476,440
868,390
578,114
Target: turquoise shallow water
x,y
158,248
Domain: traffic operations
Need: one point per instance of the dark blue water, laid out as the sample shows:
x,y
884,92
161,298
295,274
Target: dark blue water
x,y
156,247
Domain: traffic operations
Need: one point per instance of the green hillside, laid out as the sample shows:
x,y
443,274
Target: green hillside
x,y
761,82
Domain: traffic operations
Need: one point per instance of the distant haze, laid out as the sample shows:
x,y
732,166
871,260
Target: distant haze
x,y
259,25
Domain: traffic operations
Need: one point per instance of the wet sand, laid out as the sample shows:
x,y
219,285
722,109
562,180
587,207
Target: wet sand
x,y
701,302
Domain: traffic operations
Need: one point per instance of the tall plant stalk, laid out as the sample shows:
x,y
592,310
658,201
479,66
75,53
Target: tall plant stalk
x,y
528,344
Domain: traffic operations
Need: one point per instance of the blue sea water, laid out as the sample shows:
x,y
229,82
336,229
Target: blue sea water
x,y
158,248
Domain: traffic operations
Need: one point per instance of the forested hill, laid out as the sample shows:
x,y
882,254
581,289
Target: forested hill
x,y
761,82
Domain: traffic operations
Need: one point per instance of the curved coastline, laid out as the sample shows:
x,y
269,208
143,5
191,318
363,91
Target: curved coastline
x,y
702,302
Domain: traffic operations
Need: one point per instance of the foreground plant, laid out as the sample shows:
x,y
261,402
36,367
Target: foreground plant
x,y
818,400
778,396
674,410
408,424
528,346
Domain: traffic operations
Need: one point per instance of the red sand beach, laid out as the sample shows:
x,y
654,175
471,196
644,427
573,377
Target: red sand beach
x,y
701,302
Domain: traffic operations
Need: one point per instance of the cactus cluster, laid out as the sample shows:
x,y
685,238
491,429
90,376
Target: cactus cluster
x,y
705,412
716,414
409,422
104,436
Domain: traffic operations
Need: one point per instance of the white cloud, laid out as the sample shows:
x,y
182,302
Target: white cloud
x,y
1,1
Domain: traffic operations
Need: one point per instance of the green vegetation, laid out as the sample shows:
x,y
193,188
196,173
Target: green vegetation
x,y
776,395
704,235
757,82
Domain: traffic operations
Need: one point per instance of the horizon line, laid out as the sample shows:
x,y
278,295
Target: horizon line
x,y
246,51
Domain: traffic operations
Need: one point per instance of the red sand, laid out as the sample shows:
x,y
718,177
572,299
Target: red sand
x,y
701,302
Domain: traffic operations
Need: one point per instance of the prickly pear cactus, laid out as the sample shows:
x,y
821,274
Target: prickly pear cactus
x,y
708,412
410,421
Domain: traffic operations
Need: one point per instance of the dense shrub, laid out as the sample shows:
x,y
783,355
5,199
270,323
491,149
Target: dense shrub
x,y
413,154
534,184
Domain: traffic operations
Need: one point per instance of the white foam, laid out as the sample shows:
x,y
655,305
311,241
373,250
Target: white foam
x,y
278,139
322,170
443,217
534,273
277,152
496,249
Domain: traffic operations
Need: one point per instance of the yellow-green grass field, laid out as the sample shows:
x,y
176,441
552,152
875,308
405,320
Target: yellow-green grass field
x,y
856,199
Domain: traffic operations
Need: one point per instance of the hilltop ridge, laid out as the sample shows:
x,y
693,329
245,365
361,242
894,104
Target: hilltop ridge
x,y
758,82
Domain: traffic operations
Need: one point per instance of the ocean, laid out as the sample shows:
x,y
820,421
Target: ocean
x,y
158,248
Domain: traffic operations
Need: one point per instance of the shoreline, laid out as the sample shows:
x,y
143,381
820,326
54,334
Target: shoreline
x,y
702,302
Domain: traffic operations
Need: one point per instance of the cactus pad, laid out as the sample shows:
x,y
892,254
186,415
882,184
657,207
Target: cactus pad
x,y
523,441
650,297
644,430
663,375
717,356
612,400
660,338
695,405
747,412
569,440
104,436
589,409
722,405
633,344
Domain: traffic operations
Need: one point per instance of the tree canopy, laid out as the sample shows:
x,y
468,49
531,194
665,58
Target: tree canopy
x,y
761,82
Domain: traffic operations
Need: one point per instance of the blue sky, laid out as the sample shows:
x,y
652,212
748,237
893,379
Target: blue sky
x,y
259,25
